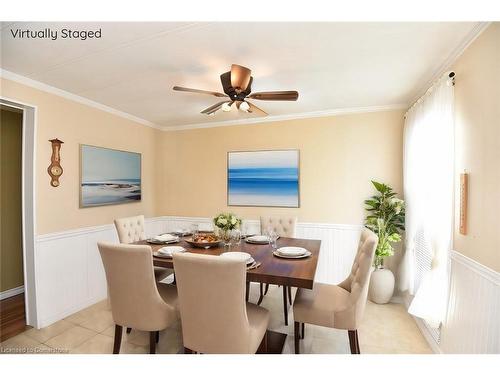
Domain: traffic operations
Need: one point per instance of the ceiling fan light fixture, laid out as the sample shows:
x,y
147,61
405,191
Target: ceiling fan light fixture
x,y
244,106
226,107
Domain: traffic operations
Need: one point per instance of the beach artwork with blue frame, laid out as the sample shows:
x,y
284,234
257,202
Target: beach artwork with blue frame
x,y
263,178
109,176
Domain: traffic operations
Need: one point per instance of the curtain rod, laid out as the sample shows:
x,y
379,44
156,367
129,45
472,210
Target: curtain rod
x,y
449,75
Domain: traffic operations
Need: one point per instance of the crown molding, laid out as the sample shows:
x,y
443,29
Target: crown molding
x,y
293,116
76,98
451,59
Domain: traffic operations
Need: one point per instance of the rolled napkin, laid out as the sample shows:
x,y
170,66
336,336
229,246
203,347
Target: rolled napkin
x,y
171,250
292,251
166,237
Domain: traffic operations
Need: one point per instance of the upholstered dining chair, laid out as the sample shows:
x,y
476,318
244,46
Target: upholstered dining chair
x,y
137,301
131,229
215,317
338,306
284,226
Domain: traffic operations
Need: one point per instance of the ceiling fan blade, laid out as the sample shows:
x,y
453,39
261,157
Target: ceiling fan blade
x,y
186,89
214,107
275,95
254,109
240,77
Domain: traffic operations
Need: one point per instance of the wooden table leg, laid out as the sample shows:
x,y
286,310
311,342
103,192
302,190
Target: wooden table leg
x,y
261,296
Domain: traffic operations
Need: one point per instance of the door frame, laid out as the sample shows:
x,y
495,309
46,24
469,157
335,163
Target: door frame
x,y
28,205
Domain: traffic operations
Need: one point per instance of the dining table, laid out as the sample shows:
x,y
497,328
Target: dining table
x,y
272,270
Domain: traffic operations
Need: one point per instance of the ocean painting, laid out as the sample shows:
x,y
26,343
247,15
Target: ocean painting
x,y
263,178
109,176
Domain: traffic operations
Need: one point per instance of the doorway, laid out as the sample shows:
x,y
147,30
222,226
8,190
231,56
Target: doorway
x,y
17,218
12,311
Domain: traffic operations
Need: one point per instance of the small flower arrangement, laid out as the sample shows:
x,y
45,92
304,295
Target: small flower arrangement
x,y
227,221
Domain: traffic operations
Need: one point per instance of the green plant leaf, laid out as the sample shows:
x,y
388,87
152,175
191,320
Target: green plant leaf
x,y
379,186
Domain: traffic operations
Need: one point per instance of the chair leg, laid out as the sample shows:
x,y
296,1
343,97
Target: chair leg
x,y
297,337
174,282
285,304
266,289
247,291
358,351
129,330
118,339
261,296
289,295
354,342
262,349
303,331
152,342
157,338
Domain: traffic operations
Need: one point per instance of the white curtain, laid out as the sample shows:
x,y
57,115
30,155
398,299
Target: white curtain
x,y
428,190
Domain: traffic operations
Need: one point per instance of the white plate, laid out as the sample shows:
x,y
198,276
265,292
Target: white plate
x,y
238,255
166,238
292,251
181,232
276,253
167,251
258,239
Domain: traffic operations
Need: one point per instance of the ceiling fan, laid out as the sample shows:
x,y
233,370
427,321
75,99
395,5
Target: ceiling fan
x,y
237,86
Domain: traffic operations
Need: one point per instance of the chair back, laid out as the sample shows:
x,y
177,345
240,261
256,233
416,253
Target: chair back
x,y
134,297
284,226
359,279
211,295
130,229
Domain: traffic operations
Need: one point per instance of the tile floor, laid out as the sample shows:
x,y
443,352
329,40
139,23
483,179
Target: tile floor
x,y
385,329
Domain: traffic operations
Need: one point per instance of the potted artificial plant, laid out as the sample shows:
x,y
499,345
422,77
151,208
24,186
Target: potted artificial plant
x,y
386,218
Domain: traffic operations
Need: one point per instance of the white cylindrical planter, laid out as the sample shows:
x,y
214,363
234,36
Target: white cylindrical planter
x,y
381,286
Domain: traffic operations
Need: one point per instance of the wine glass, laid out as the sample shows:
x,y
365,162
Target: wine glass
x,y
194,231
236,237
273,236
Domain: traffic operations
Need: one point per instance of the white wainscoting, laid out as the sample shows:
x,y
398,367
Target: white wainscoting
x,y
472,324
473,321
70,275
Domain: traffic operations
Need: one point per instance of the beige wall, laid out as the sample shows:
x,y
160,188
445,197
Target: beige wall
x,y
338,157
11,250
477,108
184,172
74,123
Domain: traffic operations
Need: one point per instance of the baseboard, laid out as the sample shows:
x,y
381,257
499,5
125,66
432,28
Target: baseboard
x,y
11,292
428,337
406,300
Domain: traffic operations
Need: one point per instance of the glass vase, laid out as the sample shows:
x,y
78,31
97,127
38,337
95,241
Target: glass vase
x,y
225,236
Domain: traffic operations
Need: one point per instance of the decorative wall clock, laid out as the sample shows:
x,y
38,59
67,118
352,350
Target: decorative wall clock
x,y
55,170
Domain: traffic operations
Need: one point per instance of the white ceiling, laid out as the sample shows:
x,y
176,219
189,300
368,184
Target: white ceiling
x,y
133,67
